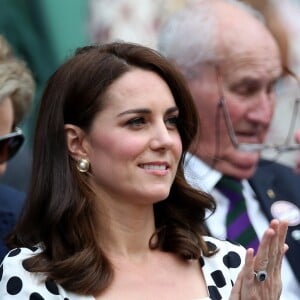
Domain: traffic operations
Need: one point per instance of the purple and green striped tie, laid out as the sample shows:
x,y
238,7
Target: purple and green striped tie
x,y
239,227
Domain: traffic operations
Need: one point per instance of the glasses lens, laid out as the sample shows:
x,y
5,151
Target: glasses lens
x,y
9,147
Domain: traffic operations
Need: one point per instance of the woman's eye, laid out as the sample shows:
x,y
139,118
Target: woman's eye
x,y
172,121
136,122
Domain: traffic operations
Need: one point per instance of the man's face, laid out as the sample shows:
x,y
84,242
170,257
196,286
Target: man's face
x,y
247,81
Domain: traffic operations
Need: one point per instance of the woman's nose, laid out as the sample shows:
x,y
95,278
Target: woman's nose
x,y
161,138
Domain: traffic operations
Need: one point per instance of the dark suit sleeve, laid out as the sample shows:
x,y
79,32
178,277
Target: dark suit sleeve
x,y
11,203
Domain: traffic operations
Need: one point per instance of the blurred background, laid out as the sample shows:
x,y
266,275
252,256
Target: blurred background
x,y
46,32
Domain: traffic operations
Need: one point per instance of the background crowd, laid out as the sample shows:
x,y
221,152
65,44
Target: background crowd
x,y
43,35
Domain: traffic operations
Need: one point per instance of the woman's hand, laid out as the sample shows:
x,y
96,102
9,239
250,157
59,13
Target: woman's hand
x,y
269,259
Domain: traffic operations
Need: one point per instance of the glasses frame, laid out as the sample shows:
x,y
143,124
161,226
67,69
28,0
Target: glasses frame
x,y
249,147
17,133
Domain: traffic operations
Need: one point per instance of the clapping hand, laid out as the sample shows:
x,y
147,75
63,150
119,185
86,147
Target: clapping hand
x,y
260,277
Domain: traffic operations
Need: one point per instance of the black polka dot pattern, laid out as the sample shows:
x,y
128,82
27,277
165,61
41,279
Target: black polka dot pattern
x,y
214,293
218,278
14,285
36,296
52,287
232,260
220,271
17,283
33,249
14,252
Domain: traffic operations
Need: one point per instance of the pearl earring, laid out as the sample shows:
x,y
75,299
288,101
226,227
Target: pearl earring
x,y
83,165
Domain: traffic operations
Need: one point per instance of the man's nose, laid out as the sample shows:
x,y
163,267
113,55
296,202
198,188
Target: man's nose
x,y
262,109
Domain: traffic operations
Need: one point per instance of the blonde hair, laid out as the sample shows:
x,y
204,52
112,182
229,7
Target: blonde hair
x,y
16,81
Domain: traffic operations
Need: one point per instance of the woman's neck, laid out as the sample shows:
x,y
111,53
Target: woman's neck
x,y
126,231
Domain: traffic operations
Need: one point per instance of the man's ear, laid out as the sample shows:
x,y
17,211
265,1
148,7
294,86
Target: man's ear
x,y
75,137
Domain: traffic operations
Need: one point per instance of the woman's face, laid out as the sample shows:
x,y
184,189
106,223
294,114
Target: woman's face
x,y
6,123
134,146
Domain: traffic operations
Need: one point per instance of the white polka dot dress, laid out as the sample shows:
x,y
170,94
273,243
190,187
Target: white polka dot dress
x,y
17,283
220,272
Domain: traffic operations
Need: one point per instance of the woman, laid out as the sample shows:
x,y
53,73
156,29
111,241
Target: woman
x,y
109,214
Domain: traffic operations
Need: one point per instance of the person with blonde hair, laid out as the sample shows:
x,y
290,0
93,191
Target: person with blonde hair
x,y
16,94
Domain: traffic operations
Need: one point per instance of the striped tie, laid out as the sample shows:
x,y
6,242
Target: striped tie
x,y
239,227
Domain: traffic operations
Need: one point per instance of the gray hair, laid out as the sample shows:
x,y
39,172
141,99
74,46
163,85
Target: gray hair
x,y
190,38
16,81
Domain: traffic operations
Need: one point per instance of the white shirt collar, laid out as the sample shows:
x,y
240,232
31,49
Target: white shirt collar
x,y
199,175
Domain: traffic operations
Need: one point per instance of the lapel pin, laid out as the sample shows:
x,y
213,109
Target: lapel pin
x,y
271,193
285,210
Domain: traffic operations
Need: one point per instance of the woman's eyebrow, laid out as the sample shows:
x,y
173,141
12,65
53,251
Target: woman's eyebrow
x,y
134,111
172,109
145,111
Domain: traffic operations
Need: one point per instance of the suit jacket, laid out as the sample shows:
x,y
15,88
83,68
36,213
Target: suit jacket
x,y
275,182
11,203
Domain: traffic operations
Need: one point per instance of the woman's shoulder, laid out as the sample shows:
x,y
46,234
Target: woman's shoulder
x,y
15,257
16,281
223,245
222,268
229,255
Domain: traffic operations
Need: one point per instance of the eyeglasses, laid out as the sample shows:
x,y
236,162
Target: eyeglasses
x,y
10,144
249,147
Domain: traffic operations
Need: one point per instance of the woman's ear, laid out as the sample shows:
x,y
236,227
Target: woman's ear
x,y
75,137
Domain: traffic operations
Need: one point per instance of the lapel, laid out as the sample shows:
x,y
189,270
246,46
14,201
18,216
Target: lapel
x,y
263,184
273,183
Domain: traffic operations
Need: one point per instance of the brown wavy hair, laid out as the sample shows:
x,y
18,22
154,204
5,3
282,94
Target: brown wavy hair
x,y
60,209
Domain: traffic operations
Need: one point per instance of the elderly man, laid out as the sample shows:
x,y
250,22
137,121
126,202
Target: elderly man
x,y
16,93
231,62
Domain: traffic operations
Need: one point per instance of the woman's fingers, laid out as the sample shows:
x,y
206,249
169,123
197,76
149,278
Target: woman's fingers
x,y
272,247
263,252
278,247
261,274
244,283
